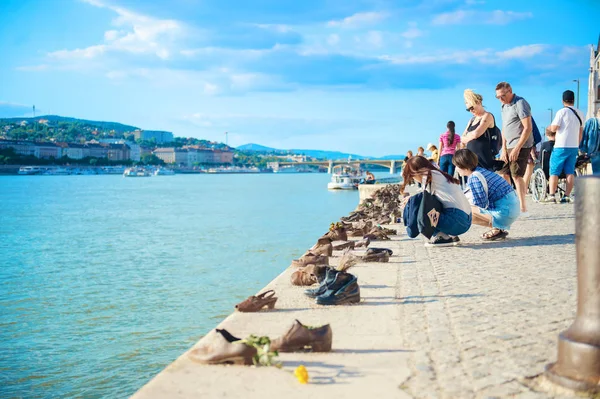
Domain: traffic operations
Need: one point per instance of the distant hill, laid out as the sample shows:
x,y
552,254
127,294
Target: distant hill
x,y
105,126
312,153
257,148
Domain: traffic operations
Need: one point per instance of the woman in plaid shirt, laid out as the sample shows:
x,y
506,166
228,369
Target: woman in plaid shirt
x,y
494,202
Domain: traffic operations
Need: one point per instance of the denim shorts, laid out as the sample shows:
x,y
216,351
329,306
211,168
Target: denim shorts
x,y
563,160
453,222
506,211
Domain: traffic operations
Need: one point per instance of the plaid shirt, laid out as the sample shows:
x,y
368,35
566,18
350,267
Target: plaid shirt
x,y
497,188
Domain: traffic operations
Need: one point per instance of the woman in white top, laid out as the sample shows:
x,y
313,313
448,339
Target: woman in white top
x,y
456,217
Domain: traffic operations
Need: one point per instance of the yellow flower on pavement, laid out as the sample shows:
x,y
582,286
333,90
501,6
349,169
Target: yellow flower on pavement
x,y
301,374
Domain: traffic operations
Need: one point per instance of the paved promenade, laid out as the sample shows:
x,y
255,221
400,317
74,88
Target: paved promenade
x,y
476,321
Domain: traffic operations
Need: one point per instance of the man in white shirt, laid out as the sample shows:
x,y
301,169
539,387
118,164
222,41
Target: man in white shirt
x,y
568,125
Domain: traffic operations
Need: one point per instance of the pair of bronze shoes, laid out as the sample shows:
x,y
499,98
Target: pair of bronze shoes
x,y
224,348
256,303
309,275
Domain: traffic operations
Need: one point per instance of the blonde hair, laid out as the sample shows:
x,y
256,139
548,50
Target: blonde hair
x,y
472,98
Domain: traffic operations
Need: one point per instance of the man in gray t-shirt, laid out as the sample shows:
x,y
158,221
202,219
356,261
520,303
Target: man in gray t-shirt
x,y
517,138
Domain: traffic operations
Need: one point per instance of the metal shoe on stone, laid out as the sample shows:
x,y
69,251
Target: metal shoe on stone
x,y
328,280
374,250
362,243
308,275
224,348
300,337
344,245
382,257
323,249
310,258
344,290
256,303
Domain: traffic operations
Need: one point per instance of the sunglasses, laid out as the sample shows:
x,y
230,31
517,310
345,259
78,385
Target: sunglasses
x,y
470,109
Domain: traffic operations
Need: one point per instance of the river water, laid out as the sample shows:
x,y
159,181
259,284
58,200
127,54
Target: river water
x,y
105,280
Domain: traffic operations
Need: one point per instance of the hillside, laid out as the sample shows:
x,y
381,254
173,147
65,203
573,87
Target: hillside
x,y
55,119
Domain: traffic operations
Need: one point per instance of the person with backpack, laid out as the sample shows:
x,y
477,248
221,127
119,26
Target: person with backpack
x,y
454,216
517,139
494,202
590,142
568,125
481,133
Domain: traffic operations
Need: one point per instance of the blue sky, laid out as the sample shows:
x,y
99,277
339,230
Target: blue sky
x,y
372,77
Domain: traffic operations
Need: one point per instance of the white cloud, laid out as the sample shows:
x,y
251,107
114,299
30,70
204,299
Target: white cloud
x,y
374,38
359,19
521,52
333,39
497,17
482,56
140,34
412,33
210,89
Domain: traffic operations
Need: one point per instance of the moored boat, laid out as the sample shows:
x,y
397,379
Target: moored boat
x,y
346,177
136,172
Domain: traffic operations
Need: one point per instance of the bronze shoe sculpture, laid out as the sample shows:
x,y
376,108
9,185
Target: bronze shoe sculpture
x,y
310,258
307,275
300,337
344,245
224,349
325,249
256,303
362,243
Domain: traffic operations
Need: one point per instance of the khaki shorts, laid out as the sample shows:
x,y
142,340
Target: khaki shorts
x,y
516,168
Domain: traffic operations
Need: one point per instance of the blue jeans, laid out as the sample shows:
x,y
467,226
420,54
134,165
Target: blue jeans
x,y
453,222
446,164
596,164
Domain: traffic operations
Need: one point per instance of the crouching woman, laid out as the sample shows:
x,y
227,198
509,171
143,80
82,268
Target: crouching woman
x,y
455,218
495,203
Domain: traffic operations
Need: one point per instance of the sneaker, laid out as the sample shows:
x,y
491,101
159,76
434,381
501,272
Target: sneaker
x,y
566,200
525,214
550,199
441,240
455,239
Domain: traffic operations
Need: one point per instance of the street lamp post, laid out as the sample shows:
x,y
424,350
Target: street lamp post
x,y
577,80
551,114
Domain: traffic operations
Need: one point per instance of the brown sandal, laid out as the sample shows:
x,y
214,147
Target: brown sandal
x,y
256,303
494,234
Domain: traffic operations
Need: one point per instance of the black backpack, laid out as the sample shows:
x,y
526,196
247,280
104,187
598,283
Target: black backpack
x,y
495,137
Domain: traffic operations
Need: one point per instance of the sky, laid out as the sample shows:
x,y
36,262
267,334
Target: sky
x,y
370,77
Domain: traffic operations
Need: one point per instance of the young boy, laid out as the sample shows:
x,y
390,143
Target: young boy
x,y
546,150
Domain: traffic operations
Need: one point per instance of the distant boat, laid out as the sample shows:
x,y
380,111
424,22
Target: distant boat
x,y
57,172
136,172
164,172
346,177
30,170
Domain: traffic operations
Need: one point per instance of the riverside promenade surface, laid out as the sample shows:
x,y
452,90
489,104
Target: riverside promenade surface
x,y
480,320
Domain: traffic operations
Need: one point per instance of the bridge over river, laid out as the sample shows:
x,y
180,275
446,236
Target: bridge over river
x,y
392,164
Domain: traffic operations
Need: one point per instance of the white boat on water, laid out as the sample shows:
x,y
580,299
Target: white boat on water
x,y
136,172
57,172
346,177
30,170
164,172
